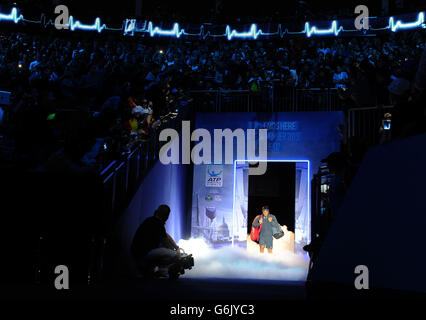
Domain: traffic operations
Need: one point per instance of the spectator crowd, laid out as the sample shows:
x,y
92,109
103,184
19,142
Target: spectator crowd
x,y
82,100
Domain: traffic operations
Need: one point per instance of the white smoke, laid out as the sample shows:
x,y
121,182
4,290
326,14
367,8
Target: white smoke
x,y
245,263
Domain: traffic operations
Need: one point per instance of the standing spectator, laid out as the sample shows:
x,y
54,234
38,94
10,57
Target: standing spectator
x,y
340,78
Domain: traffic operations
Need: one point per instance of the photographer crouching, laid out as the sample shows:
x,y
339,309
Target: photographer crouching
x,y
155,251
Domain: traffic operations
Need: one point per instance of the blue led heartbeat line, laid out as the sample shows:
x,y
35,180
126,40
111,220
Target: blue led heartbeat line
x,y
73,25
12,16
309,31
175,31
401,25
253,33
131,26
78,25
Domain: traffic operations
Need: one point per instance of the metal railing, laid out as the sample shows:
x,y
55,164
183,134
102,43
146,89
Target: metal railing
x,y
270,99
364,123
122,177
221,100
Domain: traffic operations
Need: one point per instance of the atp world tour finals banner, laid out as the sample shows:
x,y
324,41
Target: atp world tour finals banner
x,y
220,183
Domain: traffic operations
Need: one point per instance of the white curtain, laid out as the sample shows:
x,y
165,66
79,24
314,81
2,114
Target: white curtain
x,y
240,205
302,232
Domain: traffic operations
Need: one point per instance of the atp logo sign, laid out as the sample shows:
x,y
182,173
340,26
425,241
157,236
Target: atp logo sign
x,y
214,176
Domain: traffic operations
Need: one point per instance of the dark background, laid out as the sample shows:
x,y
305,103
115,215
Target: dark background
x,y
276,188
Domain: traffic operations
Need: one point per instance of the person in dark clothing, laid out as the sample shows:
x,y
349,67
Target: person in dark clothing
x,y
152,246
269,224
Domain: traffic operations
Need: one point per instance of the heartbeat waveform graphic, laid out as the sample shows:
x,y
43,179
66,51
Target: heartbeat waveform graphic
x,y
253,33
313,30
401,25
130,27
78,25
12,16
175,31
72,25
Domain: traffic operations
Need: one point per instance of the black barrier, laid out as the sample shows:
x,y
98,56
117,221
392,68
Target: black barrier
x,y
365,123
272,98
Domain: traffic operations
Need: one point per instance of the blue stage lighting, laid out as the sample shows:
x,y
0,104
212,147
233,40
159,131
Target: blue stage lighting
x,y
253,33
420,22
130,27
175,31
12,16
313,30
78,25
